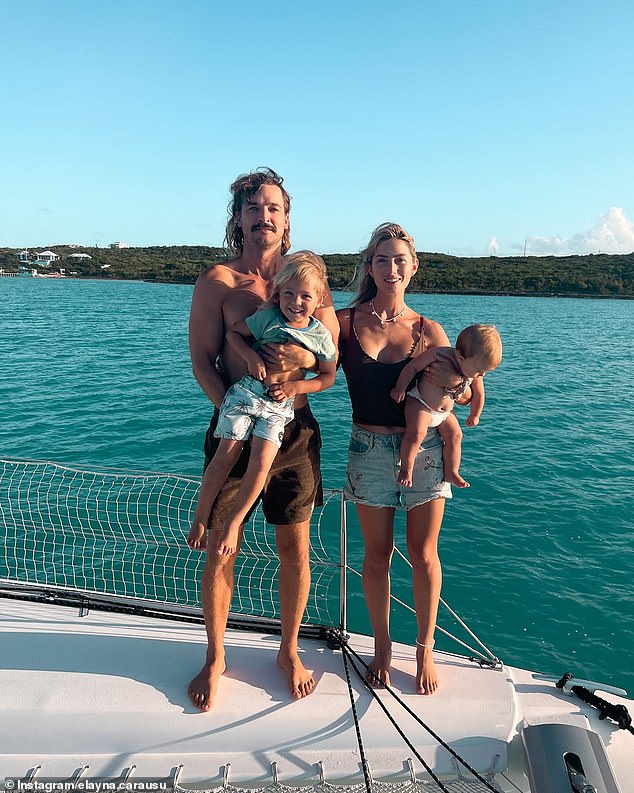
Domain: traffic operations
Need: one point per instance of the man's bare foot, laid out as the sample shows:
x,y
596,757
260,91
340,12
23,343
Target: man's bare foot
x,y
426,677
197,538
405,478
202,689
229,539
300,681
454,478
378,674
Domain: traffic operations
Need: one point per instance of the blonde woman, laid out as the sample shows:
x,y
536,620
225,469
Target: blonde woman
x,y
380,335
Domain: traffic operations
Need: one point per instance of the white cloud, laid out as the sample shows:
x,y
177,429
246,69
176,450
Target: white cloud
x,y
493,247
613,233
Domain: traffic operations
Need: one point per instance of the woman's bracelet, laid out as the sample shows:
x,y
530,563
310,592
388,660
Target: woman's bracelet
x,y
422,644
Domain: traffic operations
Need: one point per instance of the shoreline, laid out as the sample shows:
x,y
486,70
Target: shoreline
x,y
461,293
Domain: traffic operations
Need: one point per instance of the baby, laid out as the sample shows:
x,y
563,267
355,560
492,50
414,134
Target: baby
x,y
478,350
249,409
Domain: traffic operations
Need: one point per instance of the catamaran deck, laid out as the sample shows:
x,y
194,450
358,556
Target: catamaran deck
x,y
108,691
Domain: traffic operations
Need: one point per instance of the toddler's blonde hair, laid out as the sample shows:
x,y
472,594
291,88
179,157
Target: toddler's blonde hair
x,y
303,266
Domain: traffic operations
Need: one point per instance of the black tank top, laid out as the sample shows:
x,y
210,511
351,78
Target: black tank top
x,y
370,381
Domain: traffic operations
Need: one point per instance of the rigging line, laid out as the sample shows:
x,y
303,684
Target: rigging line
x,y
417,718
345,651
364,762
447,633
453,614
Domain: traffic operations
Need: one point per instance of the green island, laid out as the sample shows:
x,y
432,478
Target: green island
x,y
591,275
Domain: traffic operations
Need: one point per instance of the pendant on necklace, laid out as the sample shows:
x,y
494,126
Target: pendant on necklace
x,y
385,321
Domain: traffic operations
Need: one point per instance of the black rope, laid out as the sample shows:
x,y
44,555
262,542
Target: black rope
x,y
366,683
617,713
364,763
345,648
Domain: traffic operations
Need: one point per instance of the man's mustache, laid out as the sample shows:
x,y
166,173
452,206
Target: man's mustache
x,y
258,226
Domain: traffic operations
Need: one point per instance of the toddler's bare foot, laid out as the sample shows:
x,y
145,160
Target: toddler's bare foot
x,y
405,478
197,537
454,478
229,540
426,676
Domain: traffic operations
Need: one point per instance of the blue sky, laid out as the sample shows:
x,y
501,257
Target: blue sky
x,y
481,127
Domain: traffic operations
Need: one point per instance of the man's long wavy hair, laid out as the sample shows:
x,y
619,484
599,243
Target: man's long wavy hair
x,y
245,186
366,287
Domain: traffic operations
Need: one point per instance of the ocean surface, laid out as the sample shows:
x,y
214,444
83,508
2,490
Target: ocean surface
x,y
538,555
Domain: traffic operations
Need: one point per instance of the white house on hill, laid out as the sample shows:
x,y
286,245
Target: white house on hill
x,y
79,257
119,245
46,257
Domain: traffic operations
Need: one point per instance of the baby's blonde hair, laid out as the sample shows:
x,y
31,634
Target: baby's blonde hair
x,y
482,342
303,266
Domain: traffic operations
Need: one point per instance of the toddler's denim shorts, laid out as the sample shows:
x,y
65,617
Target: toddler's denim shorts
x,y
374,461
248,410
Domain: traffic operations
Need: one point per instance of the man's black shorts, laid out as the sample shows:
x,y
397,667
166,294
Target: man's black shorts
x,y
293,485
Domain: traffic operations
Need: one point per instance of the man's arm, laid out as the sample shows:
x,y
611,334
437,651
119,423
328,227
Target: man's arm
x,y
238,337
289,388
206,334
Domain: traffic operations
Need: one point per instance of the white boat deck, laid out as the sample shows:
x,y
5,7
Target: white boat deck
x,y
109,691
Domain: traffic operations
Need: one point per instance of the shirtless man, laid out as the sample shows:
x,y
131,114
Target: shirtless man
x,y
258,233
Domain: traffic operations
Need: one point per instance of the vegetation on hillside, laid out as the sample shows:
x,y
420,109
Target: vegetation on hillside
x,y
599,275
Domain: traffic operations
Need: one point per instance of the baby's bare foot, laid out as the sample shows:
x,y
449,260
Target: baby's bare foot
x,y
454,478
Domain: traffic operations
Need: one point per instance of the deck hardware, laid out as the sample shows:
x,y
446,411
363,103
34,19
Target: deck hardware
x,y
31,773
322,775
412,773
176,772
274,772
128,773
225,776
78,773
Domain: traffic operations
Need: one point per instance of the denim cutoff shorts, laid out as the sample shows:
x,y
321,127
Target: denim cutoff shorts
x,y
374,461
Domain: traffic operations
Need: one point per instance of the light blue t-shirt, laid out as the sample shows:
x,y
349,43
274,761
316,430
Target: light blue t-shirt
x,y
269,326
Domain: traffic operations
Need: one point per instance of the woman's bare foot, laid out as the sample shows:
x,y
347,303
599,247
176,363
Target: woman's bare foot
x,y
405,478
229,539
197,538
202,689
454,478
300,681
426,677
378,674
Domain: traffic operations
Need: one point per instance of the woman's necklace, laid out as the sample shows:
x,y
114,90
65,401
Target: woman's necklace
x,y
385,321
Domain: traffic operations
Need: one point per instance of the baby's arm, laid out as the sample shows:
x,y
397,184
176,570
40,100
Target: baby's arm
x,y
409,372
237,338
477,401
290,388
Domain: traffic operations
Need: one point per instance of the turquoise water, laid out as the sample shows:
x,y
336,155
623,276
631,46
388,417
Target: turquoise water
x,y
538,555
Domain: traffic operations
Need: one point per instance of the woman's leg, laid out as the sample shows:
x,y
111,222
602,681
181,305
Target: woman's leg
x,y
261,458
377,527
416,425
423,528
216,473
